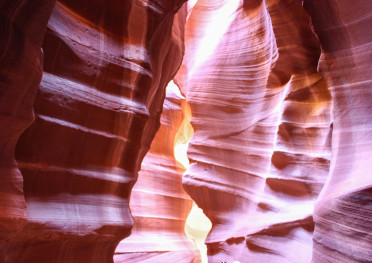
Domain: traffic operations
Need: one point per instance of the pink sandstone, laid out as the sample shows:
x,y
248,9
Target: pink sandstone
x,y
158,202
280,99
261,148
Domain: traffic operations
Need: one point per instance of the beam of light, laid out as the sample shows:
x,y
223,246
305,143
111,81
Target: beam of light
x,y
219,21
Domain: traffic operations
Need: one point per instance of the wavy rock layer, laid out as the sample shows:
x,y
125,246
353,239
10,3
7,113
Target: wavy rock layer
x,y
158,203
106,67
266,146
261,114
343,212
22,27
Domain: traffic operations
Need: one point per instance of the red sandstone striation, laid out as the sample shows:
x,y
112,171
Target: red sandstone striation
x,y
261,113
106,67
256,75
158,203
22,27
343,211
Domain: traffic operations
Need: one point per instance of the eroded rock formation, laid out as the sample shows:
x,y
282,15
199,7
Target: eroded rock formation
x,y
280,102
106,66
22,27
261,113
158,202
343,211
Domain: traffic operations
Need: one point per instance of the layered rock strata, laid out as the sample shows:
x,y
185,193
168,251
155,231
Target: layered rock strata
x,y
343,211
256,75
261,113
22,28
106,66
158,203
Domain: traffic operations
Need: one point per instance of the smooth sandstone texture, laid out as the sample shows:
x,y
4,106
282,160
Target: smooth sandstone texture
x,y
22,27
261,113
106,66
280,97
158,203
343,211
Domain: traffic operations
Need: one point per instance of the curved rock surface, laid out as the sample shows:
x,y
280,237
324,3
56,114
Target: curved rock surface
x,y
22,27
261,113
106,66
158,203
279,92
343,211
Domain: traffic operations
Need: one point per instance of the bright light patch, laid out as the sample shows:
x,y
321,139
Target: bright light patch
x,y
183,137
197,224
180,153
197,228
218,25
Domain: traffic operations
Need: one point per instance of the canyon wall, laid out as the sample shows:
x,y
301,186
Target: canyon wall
x,y
106,66
22,27
281,108
265,137
158,203
343,211
262,117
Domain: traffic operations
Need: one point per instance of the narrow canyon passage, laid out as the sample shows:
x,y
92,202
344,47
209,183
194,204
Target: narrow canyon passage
x,y
195,131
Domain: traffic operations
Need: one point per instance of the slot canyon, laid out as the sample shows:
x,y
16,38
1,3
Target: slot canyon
x,y
220,131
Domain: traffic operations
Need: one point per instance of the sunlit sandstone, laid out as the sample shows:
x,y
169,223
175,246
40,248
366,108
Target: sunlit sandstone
x,y
275,93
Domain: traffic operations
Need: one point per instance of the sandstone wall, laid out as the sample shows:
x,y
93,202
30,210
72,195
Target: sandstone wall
x,y
106,66
22,27
280,102
262,118
158,203
343,212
